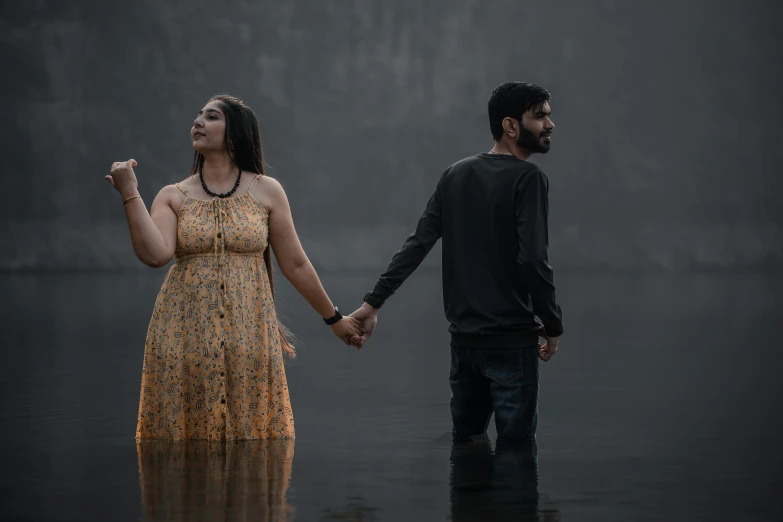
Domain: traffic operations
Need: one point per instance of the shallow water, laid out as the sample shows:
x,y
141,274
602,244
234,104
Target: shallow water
x,y
660,405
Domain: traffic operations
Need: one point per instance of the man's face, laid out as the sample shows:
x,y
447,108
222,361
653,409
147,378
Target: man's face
x,y
535,134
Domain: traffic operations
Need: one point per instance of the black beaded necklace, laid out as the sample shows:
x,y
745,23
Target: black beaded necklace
x,y
214,195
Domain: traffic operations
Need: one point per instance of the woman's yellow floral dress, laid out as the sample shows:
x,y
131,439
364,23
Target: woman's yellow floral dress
x,y
213,360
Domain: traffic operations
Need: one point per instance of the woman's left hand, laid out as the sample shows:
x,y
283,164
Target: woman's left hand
x,y
348,328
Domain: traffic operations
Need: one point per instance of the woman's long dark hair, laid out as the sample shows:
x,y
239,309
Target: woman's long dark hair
x,y
242,141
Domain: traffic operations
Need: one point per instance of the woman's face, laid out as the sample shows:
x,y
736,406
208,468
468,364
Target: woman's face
x,y
209,129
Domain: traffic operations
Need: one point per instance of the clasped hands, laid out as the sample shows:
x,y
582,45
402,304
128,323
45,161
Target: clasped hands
x,y
354,329
359,326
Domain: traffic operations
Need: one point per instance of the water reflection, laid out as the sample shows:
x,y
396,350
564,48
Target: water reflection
x,y
215,480
355,510
72,397
495,485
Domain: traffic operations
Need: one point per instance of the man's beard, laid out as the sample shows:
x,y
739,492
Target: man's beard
x,y
529,141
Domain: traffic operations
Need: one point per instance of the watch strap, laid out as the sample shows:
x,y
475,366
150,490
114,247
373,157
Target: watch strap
x,y
335,318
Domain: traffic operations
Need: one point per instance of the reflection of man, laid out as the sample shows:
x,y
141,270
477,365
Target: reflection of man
x,y
495,486
491,211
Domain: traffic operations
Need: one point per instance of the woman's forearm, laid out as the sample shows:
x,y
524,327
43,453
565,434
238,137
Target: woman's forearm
x,y
148,242
305,280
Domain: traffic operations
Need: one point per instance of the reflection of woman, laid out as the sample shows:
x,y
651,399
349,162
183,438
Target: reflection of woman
x,y
210,480
213,360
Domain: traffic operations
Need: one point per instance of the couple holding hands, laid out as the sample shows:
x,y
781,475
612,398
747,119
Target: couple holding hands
x,y
214,353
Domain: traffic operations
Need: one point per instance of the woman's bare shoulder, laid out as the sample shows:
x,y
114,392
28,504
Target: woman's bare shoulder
x,y
269,192
172,196
269,183
187,184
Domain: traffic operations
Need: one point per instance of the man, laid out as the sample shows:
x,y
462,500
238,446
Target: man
x,y
491,211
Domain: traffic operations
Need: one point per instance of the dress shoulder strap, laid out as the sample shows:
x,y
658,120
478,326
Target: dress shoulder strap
x,y
179,187
252,183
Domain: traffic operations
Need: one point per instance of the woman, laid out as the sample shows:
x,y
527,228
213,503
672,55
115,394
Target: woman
x,y
213,360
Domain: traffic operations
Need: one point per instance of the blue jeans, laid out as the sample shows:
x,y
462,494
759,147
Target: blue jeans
x,y
503,381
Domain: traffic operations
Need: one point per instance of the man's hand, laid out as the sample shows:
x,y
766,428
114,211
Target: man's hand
x,y
368,317
549,348
349,330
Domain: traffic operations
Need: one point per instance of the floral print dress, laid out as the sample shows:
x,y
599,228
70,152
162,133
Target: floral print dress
x,y
213,359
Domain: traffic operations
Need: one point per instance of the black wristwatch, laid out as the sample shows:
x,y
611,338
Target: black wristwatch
x,y
335,318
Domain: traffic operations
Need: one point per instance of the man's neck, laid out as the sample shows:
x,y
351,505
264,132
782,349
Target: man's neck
x,y
510,147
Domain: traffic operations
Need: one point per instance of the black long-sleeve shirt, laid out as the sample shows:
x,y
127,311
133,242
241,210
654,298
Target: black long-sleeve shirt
x,y
491,211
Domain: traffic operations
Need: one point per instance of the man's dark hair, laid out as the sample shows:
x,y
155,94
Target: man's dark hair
x,y
512,100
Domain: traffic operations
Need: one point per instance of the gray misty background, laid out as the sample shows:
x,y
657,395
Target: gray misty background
x,y
665,219
666,154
